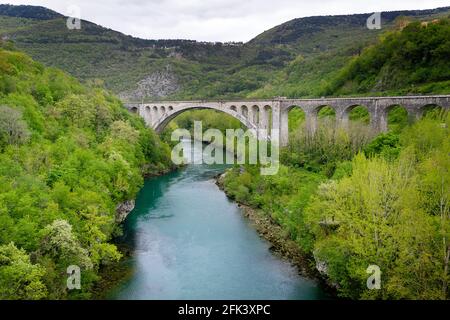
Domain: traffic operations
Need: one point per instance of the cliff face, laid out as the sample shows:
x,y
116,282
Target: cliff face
x,y
158,84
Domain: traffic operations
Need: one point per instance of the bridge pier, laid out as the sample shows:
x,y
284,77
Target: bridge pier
x,y
276,123
284,127
414,115
311,122
342,118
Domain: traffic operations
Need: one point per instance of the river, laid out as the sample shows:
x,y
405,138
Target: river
x,y
191,242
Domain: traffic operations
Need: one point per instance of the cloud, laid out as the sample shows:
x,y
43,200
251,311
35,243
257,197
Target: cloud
x,y
214,20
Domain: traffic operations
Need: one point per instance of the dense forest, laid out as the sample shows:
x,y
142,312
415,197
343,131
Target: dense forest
x,y
69,154
414,58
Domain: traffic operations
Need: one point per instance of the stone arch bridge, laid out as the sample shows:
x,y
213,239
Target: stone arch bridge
x,y
272,115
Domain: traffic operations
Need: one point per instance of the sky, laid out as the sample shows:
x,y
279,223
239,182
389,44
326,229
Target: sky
x,y
214,20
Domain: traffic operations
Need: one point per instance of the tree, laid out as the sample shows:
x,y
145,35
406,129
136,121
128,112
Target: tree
x,y
13,130
61,244
19,278
436,195
377,216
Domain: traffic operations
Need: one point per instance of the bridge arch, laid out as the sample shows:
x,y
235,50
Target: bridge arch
x,y
278,119
314,112
325,111
396,113
353,111
255,114
161,123
244,111
430,108
296,115
148,114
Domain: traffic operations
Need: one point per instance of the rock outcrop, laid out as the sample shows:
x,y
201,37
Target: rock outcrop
x,y
123,209
158,84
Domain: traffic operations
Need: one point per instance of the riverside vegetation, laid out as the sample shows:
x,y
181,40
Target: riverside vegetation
x,y
350,199
349,204
69,154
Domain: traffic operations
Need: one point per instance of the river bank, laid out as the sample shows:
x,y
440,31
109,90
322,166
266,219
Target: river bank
x,y
114,273
281,244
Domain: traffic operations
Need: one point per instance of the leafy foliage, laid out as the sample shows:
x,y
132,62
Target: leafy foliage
x,y
19,278
416,55
68,155
330,145
394,214
13,130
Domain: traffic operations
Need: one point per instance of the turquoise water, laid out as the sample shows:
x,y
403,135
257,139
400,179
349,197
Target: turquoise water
x,y
191,242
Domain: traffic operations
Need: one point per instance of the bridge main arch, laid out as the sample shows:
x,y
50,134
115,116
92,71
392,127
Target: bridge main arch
x,y
169,114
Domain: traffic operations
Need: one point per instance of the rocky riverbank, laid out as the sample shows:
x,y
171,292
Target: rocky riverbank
x,y
281,244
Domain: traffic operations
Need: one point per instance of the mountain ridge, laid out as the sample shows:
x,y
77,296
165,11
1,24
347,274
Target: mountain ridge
x,y
313,50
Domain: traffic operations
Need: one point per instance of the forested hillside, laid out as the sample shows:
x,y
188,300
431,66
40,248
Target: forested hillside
x,y
296,59
414,59
350,198
69,154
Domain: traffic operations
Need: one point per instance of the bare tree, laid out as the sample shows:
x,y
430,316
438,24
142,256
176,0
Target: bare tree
x,y
13,129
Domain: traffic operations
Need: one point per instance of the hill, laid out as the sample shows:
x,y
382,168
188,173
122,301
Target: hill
x,y
414,59
297,58
28,12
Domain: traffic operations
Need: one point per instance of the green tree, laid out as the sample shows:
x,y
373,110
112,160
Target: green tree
x,y
19,278
59,242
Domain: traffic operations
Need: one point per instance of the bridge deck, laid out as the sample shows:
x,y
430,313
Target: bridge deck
x,y
272,113
290,99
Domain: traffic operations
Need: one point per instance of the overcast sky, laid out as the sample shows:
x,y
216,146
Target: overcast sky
x,y
214,20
